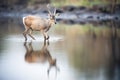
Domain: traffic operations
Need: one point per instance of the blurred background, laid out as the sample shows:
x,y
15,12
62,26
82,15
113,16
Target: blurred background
x,y
85,41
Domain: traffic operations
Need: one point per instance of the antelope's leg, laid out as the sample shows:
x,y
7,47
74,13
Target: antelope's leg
x,y
25,46
46,37
46,43
30,46
24,34
30,34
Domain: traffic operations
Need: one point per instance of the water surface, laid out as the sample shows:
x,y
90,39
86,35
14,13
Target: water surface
x,y
82,52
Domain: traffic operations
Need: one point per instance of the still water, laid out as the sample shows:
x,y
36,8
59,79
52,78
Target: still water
x,y
78,52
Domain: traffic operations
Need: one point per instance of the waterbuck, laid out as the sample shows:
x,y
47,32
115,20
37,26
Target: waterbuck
x,y
34,23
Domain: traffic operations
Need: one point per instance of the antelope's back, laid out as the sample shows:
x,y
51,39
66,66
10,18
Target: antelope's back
x,y
36,56
35,22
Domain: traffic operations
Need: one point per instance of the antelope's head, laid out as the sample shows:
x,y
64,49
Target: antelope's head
x,y
53,64
52,16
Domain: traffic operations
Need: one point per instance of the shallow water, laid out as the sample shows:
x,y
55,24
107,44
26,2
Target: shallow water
x,y
80,53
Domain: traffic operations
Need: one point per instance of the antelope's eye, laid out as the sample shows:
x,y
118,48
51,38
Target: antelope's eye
x,y
51,18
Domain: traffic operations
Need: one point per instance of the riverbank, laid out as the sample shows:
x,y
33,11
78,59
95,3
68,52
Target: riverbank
x,y
68,14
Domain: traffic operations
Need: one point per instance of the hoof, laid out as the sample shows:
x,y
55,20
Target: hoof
x,y
47,38
34,39
25,40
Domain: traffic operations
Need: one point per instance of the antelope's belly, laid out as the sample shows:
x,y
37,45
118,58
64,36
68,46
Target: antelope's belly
x,y
38,27
40,60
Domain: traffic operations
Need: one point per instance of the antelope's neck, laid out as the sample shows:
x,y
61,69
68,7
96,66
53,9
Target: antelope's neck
x,y
49,25
50,61
49,22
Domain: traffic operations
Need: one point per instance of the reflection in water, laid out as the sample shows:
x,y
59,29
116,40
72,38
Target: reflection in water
x,y
86,52
40,56
114,69
96,56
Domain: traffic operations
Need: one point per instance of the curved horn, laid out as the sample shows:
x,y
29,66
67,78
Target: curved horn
x,y
48,70
56,68
54,11
48,6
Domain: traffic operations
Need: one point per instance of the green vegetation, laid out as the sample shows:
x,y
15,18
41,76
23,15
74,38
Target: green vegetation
x,y
88,3
87,29
81,2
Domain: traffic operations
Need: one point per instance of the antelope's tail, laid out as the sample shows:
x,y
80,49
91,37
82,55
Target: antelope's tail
x,y
24,20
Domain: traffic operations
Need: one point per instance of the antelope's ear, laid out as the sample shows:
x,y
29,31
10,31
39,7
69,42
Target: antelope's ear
x,y
57,14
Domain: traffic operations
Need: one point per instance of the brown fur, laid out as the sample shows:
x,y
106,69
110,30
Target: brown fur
x,y
35,23
42,55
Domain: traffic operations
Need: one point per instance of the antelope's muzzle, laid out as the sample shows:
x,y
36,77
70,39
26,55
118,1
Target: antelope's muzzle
x,y
55,22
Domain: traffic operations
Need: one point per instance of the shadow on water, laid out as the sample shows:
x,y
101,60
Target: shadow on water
x,y
85,52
